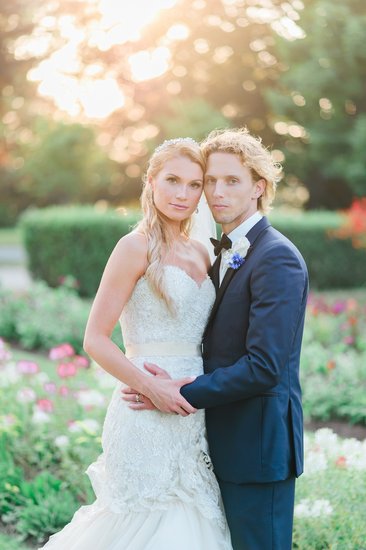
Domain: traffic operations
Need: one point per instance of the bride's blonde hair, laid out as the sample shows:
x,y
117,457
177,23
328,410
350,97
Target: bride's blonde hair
x,y
154,225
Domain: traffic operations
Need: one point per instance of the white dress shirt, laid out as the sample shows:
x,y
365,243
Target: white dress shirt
x,y
241,231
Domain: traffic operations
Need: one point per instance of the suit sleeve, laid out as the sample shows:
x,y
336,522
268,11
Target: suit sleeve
x,y
278,289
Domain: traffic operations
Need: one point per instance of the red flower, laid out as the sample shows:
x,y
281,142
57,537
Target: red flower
x,y
331,365
341,462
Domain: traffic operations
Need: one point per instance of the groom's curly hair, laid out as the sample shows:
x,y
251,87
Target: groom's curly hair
x,y
253,155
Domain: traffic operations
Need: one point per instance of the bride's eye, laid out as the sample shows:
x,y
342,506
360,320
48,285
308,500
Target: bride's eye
x,y
196,184
170,179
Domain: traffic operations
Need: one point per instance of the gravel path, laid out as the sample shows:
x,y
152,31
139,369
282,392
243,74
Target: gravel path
x,y
13,271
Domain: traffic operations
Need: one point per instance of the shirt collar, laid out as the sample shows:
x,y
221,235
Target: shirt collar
x,y
245,227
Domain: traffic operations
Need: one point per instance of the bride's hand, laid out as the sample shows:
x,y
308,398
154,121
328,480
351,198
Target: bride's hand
x,y
137,401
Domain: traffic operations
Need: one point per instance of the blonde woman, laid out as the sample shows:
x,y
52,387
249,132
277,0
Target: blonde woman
x,y
154,483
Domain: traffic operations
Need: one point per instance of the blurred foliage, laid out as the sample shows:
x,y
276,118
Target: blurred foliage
x,y
56,315
193,117
89,236
65,165
293,72
332,263
320,97
75,242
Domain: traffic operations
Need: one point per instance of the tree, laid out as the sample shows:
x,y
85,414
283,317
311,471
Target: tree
x,y
65,165
320,103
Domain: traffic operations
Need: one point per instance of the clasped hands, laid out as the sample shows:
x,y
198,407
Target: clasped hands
x,y
163,393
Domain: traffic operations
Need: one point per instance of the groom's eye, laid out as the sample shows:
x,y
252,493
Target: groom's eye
x,y
170,179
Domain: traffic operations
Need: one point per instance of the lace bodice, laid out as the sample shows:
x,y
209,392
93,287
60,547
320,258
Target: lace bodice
x,y
146,318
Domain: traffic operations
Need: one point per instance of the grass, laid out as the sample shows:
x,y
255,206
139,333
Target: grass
x,y
8,236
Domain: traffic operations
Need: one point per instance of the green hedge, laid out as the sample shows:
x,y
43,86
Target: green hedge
x,y
78,241
332,262
73,241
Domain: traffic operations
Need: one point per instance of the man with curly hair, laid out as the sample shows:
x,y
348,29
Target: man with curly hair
x,y
251,348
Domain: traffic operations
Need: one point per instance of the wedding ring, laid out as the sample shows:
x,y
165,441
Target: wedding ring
x,y
137,398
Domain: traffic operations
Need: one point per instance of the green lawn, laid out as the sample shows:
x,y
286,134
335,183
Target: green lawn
x,y
10,235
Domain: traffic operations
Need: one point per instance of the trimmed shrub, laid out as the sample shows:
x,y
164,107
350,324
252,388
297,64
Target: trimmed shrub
x,y
77,242
73,241
332,262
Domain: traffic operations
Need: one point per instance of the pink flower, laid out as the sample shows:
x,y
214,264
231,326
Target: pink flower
x,y
61,351
81,361
339,307
66,370
45,405
50,387
63,391
27,367
349,340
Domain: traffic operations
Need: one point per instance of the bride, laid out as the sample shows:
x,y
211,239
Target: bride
x,y
154,484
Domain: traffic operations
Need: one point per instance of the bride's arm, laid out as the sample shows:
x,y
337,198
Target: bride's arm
x,y
125,266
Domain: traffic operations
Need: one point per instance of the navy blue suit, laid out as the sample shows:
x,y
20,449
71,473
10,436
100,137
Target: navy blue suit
x,y
251,389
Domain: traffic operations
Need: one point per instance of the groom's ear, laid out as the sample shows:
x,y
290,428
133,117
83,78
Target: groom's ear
x,y
259,188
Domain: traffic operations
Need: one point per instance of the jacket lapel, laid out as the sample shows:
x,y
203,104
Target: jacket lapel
x,y
252,236
214,272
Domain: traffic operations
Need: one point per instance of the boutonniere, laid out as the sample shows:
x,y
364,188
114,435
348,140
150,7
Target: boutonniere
x,y
235,256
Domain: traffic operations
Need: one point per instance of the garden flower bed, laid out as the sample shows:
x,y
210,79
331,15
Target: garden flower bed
x,y
52,410
333,359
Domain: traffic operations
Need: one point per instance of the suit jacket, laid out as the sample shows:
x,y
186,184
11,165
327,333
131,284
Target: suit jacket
x,y
251,351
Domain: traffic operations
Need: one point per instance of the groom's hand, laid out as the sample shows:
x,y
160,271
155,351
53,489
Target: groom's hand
x,y
165,396
136,400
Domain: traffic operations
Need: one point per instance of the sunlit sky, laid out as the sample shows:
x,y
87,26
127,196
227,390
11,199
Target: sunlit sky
x,y
121,21
98,97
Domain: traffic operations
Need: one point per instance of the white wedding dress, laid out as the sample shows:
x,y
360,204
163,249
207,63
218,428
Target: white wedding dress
x,y
154,484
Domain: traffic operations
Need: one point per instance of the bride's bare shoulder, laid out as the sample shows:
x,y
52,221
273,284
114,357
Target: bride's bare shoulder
x,y
132,249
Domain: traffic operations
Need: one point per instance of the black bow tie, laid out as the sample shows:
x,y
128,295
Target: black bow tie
x,y
225,242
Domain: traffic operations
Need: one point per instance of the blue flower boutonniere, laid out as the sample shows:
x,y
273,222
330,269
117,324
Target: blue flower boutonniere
x,y
235,256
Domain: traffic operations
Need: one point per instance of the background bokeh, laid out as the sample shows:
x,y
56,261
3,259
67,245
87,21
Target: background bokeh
x,y
88,88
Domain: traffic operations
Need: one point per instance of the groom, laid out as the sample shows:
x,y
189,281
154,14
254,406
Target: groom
x,y
251,347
